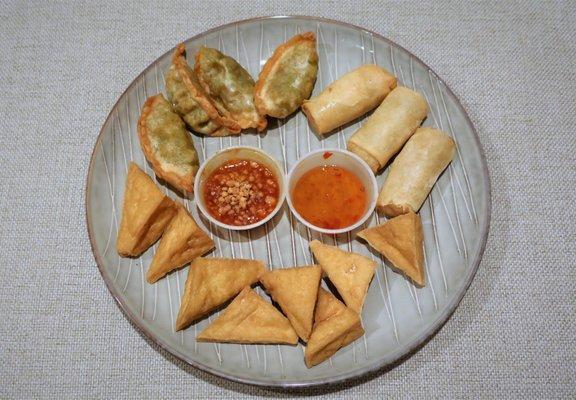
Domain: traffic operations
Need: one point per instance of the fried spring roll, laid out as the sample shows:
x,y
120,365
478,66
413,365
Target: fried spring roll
x,y
349,97
389,127
414,171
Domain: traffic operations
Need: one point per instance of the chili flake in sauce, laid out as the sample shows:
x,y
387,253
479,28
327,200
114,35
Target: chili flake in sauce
x,y
329,197
241,192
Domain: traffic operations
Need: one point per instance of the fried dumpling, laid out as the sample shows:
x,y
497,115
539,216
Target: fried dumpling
x,y
400,240
145,213
191,101
181,243
288,77
213,281
350,273
295,290
250,319
335,326
167,144
230,86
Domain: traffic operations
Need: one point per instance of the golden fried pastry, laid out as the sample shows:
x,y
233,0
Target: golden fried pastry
x,y
250,319
230,86
213,281
145,214
415,171
350,273
167,144
295,290
335,326
400,240
348,98
191,101
181,243
389,127
288,77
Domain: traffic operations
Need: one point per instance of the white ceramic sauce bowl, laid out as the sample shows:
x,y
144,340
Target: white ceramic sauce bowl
x,y
238,152
339,158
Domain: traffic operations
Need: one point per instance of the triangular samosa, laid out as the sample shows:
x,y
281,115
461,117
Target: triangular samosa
x,y
250,319
335,326
213,281
295,290
350,273
145,214
181,243
400,240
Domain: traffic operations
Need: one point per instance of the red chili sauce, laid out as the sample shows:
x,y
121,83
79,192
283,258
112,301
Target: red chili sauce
x,y
329,197
241,192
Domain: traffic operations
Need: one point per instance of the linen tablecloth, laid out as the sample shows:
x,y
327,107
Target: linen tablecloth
x,y
64,64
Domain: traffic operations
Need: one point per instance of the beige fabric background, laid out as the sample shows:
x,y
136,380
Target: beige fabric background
x,y
62,66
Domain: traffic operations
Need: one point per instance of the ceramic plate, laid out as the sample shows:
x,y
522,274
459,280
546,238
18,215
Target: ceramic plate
x,y
397,316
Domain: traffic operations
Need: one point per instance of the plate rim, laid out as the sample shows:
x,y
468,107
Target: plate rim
x,y
398,356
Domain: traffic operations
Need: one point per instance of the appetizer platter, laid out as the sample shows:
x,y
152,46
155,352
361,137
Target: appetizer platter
x,y
288,201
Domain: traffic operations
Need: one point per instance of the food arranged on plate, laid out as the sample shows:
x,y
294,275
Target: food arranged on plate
x,y
239,188
288,77
167,144
241,192
348,98
389,127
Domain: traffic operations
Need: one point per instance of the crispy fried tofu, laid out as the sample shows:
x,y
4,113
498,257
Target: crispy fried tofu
x,y
181,243
335,326
145,214
250,319
350,273
213,281
295,290
400,240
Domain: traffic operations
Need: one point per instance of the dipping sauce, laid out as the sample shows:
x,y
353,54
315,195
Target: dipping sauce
x,y
329,197
241,192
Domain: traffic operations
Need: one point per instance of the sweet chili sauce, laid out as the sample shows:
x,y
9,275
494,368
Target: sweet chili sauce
x,y
329,197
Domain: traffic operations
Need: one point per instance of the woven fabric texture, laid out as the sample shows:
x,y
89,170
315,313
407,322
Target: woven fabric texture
x,y
64,64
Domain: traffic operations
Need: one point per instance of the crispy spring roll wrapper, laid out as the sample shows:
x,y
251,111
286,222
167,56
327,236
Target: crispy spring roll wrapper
x,y
414,171
389,127
348,98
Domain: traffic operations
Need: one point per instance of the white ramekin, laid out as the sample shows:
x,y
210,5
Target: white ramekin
x,y
343,159
238,152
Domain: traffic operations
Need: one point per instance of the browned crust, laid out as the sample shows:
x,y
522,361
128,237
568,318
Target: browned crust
x,y
272,61
393,210
199,95
184,184
260,124
364,155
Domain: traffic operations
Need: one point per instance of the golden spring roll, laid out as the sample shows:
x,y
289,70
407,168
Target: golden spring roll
x,y
389,127
414,171
349,97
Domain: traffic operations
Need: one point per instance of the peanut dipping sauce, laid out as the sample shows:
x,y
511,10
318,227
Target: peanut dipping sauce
x,y
241,192
329,197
